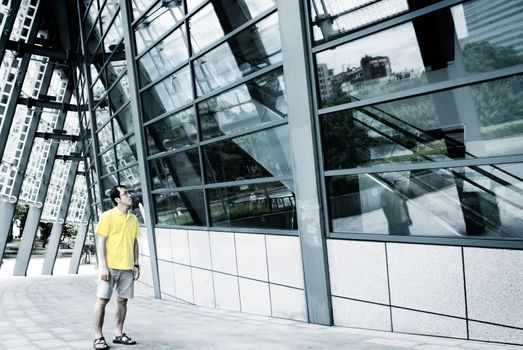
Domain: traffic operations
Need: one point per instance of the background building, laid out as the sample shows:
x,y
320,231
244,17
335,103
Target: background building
x,y
349,163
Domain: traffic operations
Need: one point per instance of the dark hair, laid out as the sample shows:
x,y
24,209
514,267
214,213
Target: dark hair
x,y
115,193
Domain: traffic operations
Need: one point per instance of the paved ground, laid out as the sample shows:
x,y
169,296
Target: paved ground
x,y
56,312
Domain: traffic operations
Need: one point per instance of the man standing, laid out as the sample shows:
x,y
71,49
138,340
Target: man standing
x,y
117,233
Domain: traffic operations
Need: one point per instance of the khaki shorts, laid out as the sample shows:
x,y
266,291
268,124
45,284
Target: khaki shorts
x,y
122,280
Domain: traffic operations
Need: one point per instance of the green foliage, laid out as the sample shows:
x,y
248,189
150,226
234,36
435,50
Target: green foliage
x,y
502,130
483,56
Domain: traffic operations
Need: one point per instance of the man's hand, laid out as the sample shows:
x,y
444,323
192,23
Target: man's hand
x,y
136,272
104,273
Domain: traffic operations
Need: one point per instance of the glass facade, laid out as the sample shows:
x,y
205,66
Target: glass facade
x,y
407,94
416,103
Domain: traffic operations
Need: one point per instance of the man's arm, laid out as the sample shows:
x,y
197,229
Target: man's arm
x,y
104,271
136,269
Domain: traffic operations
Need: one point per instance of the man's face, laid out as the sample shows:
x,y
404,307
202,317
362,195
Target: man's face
x,y
125,197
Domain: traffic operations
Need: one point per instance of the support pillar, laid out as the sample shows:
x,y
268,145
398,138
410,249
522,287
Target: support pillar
x,y
78,247
22,165
56,233
132,72
8,26
293,21
35,212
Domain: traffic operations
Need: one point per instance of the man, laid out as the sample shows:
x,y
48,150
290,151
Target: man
x,y
117,248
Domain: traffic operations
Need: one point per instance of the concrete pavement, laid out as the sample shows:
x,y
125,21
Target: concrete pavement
x,y
55,312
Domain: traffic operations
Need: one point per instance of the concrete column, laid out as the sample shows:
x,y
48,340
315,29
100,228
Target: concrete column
x,y
56,233
35,212
78,247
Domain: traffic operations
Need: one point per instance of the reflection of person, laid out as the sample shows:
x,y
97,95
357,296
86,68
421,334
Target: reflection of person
x,y
117,247
396,211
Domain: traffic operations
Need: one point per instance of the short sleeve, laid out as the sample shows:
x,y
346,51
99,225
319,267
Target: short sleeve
x,y
103,227
138,232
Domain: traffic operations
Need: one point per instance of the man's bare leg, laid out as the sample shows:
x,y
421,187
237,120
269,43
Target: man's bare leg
x,y
121,311
99,315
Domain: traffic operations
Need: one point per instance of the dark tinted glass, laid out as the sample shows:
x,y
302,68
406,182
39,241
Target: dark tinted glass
x,y
263,154
180,208
172,132
268,205
484,201
446,44
257,102
251,50
474,121
177,170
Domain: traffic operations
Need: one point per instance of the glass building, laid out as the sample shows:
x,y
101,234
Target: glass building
x,y
353,163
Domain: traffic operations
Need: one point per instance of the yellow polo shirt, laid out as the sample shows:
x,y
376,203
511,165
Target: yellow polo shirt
x,y
120,229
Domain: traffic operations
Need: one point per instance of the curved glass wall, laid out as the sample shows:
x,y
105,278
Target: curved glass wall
x,y
215,115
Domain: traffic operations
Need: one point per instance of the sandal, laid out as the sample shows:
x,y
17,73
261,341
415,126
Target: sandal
x,y
123,339
100,344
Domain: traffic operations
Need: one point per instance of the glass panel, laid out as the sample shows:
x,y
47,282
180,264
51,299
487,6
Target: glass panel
x,y
254,103
123,123
140,6
105,137
221,17
117,61
169,94
177,170
120,94
175,131
108,12
334,18
114,35
263,154
474,121
108,161
157,22
191,4
185,208
162,58
484,201
102,114
267,205
443,45
130,178
126,152
251,50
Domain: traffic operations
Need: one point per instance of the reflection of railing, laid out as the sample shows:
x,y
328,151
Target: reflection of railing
x,y
424,156
471,202
448,140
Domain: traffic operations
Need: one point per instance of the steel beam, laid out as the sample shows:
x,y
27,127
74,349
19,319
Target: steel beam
x,y
33,102
132,73
8,27
302,130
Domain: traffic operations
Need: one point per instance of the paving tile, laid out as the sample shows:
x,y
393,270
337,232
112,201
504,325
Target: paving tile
x,y
393,342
